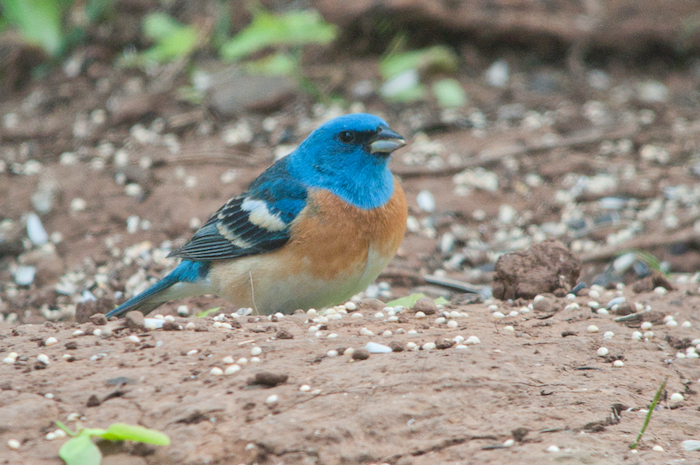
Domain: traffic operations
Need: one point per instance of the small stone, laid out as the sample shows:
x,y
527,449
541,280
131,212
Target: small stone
x,y
50,341
272,400
553,448
677,397
13,444
98,319
426,201
396,346
360,354
216,371
602,352
543,304
671,323
231,369
255,351
646,325
592,329
657,448
471,340
425,305
43,358
265,378
135,320
375,348
618,363
429,346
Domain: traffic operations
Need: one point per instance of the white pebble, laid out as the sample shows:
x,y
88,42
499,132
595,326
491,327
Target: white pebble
x,y
570,296
553,448
272,400
228,360
461,347
593,304
242,361
413,332
593,294
134,338
646,325
608,335
660,290
78,332
255,360
452,324
602,311
498,315
509,329
472,340
255,351
193,352
687,324
411,346
216,371
649,335
493,308
671,323
657,448
458,339
379,315
375,348
513,313
618,363
332,353
426,201
677,397
78,204
509,443
429,346
350,306
602,352
183,310
231,369
680,355
592,329
357,315
97,332
387,333
43,358
349,351
190,325
48,395
9,360
572,306
313,329
366,332
13,444
440,321
304,388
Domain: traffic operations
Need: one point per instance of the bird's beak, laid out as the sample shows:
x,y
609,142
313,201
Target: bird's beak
x,y
386,141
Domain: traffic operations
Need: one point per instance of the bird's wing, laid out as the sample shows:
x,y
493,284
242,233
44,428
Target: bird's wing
x,y
255,222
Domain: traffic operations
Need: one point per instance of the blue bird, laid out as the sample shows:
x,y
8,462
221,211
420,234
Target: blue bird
x,y
314,229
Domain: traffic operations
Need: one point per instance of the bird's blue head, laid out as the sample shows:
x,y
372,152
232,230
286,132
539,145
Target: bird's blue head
x,y
348,156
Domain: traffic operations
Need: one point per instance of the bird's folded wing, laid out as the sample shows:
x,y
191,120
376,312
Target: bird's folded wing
x,y
255,222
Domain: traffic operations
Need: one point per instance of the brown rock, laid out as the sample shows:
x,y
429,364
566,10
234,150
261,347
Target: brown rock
x,y
547,266
425,305
360,354
396,346
98,319
265,378
649,283
135,320
84,310
444,344
171,326
282,334
372,304
543,305
625,308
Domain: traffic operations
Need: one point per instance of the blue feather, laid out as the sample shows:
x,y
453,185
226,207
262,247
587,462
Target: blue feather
x,y
185,272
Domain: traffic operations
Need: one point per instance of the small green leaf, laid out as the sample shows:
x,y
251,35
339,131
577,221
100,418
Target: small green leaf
x,y
124,432
407,302
206,313
449,93
268,30
439,58
39,22
441,301
172,39
80,450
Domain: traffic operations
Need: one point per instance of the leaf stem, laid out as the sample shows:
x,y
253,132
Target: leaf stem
x,y
651,410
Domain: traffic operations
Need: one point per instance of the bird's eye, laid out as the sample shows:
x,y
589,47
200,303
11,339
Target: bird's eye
x,y
346,137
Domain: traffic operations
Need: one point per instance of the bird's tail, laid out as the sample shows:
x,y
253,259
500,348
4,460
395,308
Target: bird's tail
x,y
187,279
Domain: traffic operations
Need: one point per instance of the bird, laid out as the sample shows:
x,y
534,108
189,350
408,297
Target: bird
x,y
314,229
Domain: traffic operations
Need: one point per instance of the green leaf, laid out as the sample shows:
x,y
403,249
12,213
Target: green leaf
x,y
268,30
407,302
124,432
439,58
172,39
80,450
441,301
206,313
39,22
449,93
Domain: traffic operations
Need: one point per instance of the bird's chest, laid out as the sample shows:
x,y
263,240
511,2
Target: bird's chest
x,y
333,239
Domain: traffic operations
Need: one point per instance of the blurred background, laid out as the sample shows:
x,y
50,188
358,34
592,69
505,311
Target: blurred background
x,y
126,123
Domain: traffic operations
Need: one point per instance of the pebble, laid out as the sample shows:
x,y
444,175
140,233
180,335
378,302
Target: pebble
x,y
272,400
13,444
420,315
349,351
332,353
366,332
618,363
426,201
660,290
78,332
553,448
509,329
691,444
231,369
677,397
461,347
497,74
255,351
411,346
509,443
35,230
183,310
657,448
216,371
24,275
471,340
602,311
387,333
242,361
193,352
498,315
78,204
602,352
592,329
43,358
375,348
671,323
429,346
304,388
360,354
593,304
452,324
50,341
687,324
441,320
255,360
646,325
608,335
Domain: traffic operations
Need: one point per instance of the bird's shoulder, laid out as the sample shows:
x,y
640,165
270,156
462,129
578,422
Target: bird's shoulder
x,y
257,221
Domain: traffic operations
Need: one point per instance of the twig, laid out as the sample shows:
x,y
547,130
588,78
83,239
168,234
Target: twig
x,y
643,242
651,410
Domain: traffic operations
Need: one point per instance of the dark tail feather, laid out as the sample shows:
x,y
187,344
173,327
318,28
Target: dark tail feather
x,y
192,275
145,302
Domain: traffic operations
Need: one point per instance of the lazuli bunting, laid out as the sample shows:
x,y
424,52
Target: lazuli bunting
x,y
314,229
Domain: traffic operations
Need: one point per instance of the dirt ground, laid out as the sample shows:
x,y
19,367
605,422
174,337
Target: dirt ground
x,y
119,171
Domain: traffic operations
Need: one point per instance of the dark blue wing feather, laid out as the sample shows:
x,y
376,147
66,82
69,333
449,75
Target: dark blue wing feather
x,y
230,233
